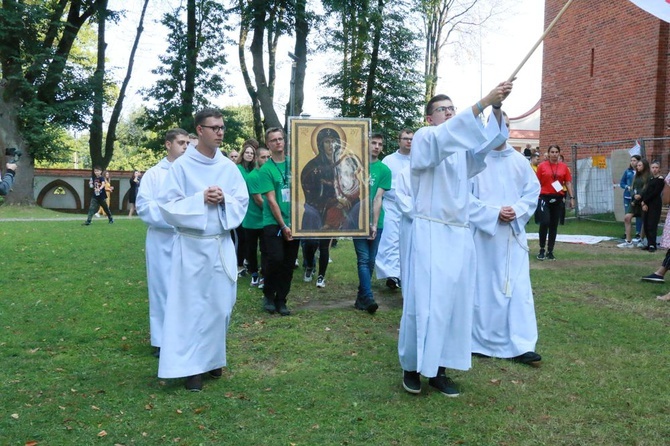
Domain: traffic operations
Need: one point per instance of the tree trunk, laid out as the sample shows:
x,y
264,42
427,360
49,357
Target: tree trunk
x,y
255,105
10,136
262,88
116,112
191,66
300,51
378,21
95,129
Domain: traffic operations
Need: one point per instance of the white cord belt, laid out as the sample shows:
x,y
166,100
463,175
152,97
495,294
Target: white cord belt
x,y
444,222
217,237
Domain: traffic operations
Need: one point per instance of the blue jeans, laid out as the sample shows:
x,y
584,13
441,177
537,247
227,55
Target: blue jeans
x,y
366,252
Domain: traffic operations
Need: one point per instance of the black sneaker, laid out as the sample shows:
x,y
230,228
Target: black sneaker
x,y
445,385
269,305
366,304
528,358
651,248
156,353
216,373
550,256
282,309
540,256
411,381
194,383
653,278
111,220
393,283
86,223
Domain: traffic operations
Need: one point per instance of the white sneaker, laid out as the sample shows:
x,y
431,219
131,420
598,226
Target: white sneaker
x,y
636,240
320,282
309,273
626,245
330,260
642,243
97,215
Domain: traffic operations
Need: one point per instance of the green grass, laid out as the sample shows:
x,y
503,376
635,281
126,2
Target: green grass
x,y
76,357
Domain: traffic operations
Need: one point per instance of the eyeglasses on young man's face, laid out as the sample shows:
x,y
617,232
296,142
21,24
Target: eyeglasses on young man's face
x,y
214,128
443,109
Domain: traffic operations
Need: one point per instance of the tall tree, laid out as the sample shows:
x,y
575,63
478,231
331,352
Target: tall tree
x,y
268,21
441,20
192,68
377,77
41,91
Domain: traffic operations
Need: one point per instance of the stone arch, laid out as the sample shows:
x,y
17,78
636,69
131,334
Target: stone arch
x,y
59,183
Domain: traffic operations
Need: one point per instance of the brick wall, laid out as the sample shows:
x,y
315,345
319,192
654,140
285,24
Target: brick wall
x,y
604,75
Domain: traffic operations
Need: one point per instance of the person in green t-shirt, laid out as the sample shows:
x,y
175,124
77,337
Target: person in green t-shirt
x,y
274,183
254,222
366,248
246,163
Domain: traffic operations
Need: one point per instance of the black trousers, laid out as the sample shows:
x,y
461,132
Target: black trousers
x,y
650,221
95,204
254,238
281,255
309,250
556,212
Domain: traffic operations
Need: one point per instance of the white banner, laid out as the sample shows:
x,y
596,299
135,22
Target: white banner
x,y
659,8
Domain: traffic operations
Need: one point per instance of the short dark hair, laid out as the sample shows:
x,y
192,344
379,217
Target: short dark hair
x,y
433,100
203,114
377,135
637,157
273,130
405,130
172,134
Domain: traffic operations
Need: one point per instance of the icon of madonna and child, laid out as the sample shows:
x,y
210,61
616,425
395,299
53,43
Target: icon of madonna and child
x,y
333,183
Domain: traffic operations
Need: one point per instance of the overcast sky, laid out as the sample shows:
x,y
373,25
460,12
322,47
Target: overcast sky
x,y
502,49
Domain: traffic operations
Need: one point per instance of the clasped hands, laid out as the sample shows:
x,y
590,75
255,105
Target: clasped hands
x,y
213,195
507,214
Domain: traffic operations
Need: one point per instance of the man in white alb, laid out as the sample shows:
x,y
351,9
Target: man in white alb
x,y
160,235
387,263
504,199
204,197
436,324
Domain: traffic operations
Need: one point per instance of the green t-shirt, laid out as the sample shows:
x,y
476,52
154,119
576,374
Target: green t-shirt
x,y
254,217
276,177
380,176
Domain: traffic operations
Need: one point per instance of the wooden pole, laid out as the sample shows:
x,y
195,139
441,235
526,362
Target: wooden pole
x,y
530,53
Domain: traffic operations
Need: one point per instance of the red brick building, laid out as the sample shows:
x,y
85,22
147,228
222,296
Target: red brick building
x,y
605,78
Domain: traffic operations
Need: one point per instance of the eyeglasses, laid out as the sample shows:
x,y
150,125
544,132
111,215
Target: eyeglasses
x,y
215,128
443,109
405,139
280,139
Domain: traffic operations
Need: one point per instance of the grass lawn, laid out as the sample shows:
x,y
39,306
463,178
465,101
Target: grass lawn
x,y
77,369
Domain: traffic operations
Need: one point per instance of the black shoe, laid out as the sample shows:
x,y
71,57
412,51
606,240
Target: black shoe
x,y
366,304
550,256
156,353
194,383
411,381
528,358
281,308
540,256
216,373
393,283
651,249
653,278
86,223
445,385
111,220
269,305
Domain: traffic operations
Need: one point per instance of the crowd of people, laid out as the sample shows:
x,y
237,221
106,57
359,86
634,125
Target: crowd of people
x,y
453,186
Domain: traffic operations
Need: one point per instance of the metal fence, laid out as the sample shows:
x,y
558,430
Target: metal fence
x,y
597,169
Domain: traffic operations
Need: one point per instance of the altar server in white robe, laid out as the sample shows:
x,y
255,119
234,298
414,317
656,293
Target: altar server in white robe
x,y
204,196
504,199
387,263
436,325
159,234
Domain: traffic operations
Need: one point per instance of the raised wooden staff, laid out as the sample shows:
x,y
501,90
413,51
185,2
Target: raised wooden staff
x,y
532,50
